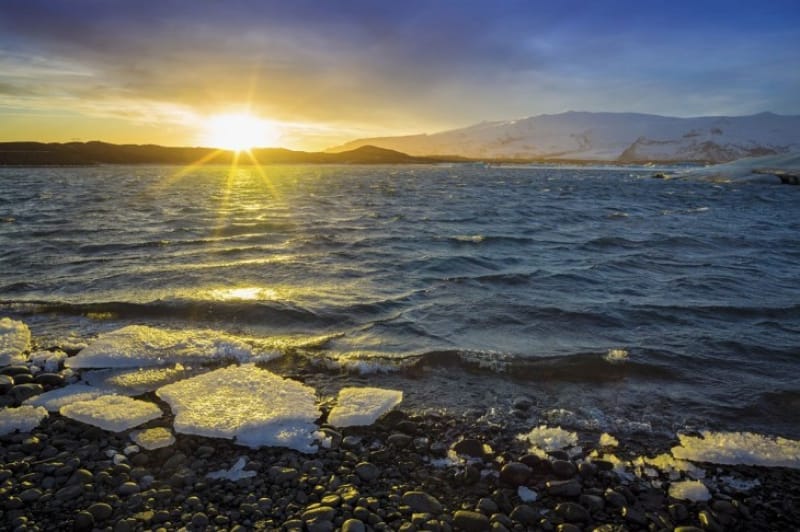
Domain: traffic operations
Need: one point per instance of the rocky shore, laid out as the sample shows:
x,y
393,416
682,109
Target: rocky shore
x,y
405,472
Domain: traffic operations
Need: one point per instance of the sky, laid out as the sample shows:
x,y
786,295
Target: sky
x,y
325,72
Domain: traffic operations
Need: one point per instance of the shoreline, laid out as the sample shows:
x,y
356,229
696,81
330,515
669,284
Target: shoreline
x,y
393,475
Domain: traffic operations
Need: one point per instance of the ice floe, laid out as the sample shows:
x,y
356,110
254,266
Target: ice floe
x,y
15,340
154,438
544,439
689,490
235,473
616,356
49,361
73,393
251,405
24,419
783,168
732,448
138,346
136,381
362,406
114,413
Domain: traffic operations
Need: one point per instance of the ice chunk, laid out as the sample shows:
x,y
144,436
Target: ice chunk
x,y
526,494
136,381
138,346
112,412
24,418
544,439
616,355
73,393
607,440
154,438
15,340
251,405
235,473
49,361
745,448
362,406
689,490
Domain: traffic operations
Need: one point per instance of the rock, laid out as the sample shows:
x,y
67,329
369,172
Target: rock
x,y
708,522
69,492
6,383
515,473
127,488
23,378
20,392
615,498
353,525
83,521
14,503
470,521
100,511
49,379
687,529
351,443
367,472
15,370
603,465
572,512
469,447
634,515
525,515
678,512
522,403
587,470
564,488
487,506
30,495
421,502
199,521
568,527
320,513
280,474
126,525
723,507
564,469
399,440
593,503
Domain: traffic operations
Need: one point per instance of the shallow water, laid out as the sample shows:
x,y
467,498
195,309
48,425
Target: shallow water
x,y
613,300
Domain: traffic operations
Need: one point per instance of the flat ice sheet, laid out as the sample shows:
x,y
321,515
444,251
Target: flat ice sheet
x,y
114,413
253,406
15,340
73,393
24,419
545,439
136,381
745,448
362,406
154,438
139,346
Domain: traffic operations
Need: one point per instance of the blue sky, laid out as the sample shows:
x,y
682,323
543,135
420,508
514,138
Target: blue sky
x,y
330,71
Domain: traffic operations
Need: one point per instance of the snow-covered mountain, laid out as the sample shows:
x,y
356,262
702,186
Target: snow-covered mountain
x,y
624,137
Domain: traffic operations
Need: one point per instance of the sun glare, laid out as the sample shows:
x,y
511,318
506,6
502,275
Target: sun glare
x,y
240,131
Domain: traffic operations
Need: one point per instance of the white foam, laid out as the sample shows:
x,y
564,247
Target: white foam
x,y
235,473
154,438
607,440
114,413
15,340
138,346
689,490
136,381
732,448
49,361
73,393
362,406
24,419
544,439
251,405
526,494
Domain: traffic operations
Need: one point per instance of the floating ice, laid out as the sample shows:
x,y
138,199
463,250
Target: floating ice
x,y
689,490
235,473
744,448
544,439
362,406
154,438
136,381
607,440
73,393
526,494
138,346
24,419
616,355
671,466
251,405
740,484
50,361
112,412
15,339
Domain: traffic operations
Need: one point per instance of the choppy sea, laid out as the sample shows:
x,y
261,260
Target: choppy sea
x,y
609,299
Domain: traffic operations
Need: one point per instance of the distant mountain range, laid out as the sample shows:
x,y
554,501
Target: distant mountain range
x,y
618,137
90,153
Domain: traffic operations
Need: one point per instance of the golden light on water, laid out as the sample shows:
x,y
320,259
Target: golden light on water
x,y
239,132
246,293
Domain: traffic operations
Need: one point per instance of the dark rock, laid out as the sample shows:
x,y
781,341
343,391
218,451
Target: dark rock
x,y
30,495
280,474
6,383
678,512
564,469
470,521
593,503
83,521
708,522
69,492
199,521
603,465
49,379
572,512
100,511
487,506
525,515
399,440
14,503
419,501
128,488
564,488
522,403
320,513
687,529
20,392
723,507
634,515
23,378
353,525
587,470
615,498
15,370
126,525
367,472
568,527
515,473
469,447
351,442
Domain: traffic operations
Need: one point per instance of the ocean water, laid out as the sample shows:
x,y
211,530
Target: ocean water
x,y
611,300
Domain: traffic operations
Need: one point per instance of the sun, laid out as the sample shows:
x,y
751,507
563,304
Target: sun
x,y
239,132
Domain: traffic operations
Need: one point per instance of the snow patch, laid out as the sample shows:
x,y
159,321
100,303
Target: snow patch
x,y
235,473
251,405
362,406
138,346
745,448
114,413
544,439
154,438
24,419
73,393
15,340
689,490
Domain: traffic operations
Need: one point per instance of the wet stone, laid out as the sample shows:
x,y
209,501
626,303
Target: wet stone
x,y
634,515
469,447
593,503
515,473
470,521
572,511
49,379
615,498
15,370
83,521
30,495
487,506
20,392
419,501
564,469
100,511
525,514
563,488
23,378
353,525
6,383
568,527
367,472
399,440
